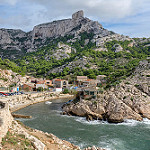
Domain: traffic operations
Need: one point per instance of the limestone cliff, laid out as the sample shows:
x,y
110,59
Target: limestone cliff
x,y
15,43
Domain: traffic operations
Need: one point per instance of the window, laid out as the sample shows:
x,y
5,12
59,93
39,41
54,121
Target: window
x,y
91,92
86,92
64,83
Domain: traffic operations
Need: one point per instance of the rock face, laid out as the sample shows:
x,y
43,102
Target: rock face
x,y
78,15
128,100
5,119
8,78
77,24
15,43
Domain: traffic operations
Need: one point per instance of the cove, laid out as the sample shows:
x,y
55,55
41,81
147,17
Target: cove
x,y
130,135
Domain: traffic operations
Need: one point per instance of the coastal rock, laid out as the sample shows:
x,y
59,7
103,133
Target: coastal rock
x,y
117,111
117,48
5,119
81,109
128,100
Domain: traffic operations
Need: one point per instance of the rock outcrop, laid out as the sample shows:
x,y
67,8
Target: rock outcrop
x,y
128,100
15,43
9,78
5,119
77,24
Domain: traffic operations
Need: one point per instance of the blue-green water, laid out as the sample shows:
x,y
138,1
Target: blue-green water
x,y
131,135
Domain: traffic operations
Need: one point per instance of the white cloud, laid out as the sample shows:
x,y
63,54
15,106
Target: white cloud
x,y
133,13
10,2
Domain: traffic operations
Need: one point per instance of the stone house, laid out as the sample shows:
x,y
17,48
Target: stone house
x,y
89,93
44,84
85,82
81,78
59,83
89,82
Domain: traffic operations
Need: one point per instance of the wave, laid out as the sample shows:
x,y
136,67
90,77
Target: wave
x,y
112,144
84,121
131,122
127,122
146,121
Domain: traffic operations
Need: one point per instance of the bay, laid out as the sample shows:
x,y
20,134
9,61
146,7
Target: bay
x,y
130,135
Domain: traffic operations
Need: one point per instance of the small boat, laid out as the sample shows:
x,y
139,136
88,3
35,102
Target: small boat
x,y
48,103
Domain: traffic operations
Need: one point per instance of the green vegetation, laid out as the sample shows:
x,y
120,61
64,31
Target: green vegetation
x,y
3,79
7,64
65,91
40,89
16,141
116,66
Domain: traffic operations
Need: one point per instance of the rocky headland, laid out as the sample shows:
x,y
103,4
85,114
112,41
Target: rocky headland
x,y
128,100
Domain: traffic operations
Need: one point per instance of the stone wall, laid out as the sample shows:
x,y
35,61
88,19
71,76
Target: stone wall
x,y
5,119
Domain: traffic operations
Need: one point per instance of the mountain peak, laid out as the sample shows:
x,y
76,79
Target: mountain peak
x,y
78,15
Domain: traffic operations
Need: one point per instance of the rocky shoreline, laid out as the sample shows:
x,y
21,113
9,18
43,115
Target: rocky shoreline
x,y
21,133
128,100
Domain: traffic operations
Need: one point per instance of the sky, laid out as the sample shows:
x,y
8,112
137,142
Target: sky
x,y
127,17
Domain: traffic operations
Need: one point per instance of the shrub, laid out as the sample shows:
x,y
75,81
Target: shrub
x,y
40,89
65,91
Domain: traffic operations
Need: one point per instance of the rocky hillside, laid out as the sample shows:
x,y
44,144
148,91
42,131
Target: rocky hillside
x,y
128,100
14,43
8,78
76,46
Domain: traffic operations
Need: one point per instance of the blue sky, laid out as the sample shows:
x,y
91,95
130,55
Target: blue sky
x,y
128,17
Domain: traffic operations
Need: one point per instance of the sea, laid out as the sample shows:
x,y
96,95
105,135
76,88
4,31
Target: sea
x,y
129,135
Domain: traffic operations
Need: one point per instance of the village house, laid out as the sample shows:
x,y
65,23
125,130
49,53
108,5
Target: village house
x,y
89,93
59,84
89,82
83,81
28,87
42,85
81,78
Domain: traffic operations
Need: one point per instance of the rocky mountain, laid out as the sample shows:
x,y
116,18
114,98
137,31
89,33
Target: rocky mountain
x,y
16,43
77,46
128,100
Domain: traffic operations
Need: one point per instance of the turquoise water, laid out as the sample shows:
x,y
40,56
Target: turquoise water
x,y
131,135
